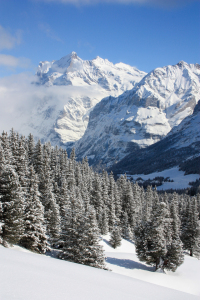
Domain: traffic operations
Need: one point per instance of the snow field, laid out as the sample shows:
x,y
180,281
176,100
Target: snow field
x,y
28,276
123,260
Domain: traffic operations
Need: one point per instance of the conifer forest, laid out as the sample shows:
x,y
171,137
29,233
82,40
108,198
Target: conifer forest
x,y
49,201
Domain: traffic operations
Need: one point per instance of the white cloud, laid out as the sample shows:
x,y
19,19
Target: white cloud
x,y
163,3
23,105
14,62
7,40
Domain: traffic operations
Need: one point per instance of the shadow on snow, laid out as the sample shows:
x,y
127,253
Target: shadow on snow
x,y
128,264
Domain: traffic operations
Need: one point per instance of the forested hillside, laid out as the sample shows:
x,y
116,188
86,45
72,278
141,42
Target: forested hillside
x,y
50,201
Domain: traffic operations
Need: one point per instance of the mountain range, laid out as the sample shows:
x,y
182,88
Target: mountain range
x,y
85,83
109,112
142,116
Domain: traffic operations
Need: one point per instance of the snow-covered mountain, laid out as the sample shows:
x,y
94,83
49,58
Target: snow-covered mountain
x,y
72,70
85,84
142,116
181,147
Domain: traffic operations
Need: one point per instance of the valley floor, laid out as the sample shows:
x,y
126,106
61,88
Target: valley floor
x,y
180,181
28,276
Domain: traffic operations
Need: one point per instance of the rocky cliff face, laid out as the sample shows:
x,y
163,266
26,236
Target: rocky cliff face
x,y
142,116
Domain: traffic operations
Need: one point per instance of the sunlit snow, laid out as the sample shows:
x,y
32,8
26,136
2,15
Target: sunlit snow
x,y
28,276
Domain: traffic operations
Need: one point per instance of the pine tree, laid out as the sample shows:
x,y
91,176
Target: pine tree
x,y
174,257
72,235
63,201
129,204
93,251
103,221
1,221
13,205
37,158
51,208
115,240
34,237
31,147
190,231
21,164
156,239
126,231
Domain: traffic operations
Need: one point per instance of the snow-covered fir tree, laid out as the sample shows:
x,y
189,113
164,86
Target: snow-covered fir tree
x,y
12,200
115,239
34,237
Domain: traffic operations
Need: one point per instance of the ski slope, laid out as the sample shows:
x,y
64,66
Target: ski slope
x,y
28,276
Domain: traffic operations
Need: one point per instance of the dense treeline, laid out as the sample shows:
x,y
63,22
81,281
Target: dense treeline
x,y
49,200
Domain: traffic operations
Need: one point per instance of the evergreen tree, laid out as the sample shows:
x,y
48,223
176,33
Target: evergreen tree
x,y
34,237
190,227
126,231
38,158
1,221
103,221
51,208
156,240
13,205
72,235
93,251
30,148
174,257
115,239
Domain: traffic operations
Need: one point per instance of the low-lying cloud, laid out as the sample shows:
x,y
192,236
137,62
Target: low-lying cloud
x,y
23,105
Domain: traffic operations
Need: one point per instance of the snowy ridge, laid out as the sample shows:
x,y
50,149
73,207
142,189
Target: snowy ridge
x,y
142,116
72,70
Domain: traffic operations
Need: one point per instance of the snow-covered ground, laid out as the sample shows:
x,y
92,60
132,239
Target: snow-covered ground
x,y
28,276
180,181
123,260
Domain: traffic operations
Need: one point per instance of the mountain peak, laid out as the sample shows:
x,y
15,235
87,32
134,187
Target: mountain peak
x,y
73,55
65,61
182,63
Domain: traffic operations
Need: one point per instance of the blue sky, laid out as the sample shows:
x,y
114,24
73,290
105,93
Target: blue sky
x,y
142,33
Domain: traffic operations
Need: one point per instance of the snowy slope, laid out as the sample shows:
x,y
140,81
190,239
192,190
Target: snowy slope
x,y
24,275
142,116
123,260
181,147
55,103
